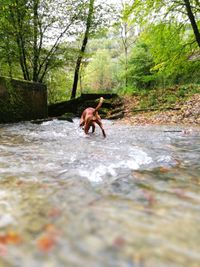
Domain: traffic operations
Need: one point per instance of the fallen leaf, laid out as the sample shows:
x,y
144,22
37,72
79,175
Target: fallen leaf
x,y
54,212
150,198
180,193
163,169
13,238
51,229
10,237
119,242
3,239
44,186
48,240
46,243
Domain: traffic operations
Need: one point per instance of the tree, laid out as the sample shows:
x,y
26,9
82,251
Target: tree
x,y
36,31
175,10
127,34
98,17
161,58
192,19
99,72
140,63
83,47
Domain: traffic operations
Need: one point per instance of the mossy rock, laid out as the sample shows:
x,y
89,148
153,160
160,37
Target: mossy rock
x,y
67,117
103,111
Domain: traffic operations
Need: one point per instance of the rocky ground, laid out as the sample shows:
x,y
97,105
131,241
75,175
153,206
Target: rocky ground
x,y
187,113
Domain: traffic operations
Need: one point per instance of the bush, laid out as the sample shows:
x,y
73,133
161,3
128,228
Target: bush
x,y
129,90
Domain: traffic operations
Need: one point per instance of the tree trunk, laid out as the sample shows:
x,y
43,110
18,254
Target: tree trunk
x,y
126,65
35,39
192,21
17,22
8,56
83,47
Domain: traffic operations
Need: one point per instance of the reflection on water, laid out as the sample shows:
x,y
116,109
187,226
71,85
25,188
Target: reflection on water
x,y
131,199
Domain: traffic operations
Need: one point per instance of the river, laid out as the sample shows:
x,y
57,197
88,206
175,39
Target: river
x,y
129,200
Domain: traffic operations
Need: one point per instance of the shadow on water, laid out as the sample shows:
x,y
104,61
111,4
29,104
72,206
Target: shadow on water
x,y
131,199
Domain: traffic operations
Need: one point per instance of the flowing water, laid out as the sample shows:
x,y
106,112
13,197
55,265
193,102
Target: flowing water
x,y
129,200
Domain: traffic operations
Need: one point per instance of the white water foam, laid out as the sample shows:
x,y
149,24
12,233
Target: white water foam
x,y
98,173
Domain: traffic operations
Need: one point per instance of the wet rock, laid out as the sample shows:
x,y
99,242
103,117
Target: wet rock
x,y
39,121
67,117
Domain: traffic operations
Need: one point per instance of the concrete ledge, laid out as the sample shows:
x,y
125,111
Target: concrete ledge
x,y
22,100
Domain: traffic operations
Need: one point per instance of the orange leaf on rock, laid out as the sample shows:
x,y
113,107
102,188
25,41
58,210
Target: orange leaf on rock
x,y
10,238
52,230
119,242
54,212
163,169
48,240
46,243
3,239
44,186
181,193
150,198
13,238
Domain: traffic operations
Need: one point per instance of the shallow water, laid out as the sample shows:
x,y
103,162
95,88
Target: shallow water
x,y
130,200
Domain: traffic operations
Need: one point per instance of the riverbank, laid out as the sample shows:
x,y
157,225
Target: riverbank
x,y
185,112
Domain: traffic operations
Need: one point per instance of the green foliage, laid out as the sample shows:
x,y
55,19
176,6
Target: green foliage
x,y
31,32
170,49
59,79
128,90
56,84
99,72
139,67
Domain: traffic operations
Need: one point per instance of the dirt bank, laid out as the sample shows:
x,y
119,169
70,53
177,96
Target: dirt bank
x,y
187,112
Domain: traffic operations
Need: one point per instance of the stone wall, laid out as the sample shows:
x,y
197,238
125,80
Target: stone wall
x,y
22,100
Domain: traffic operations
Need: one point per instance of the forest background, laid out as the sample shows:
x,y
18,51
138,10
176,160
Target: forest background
x,y
125,46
